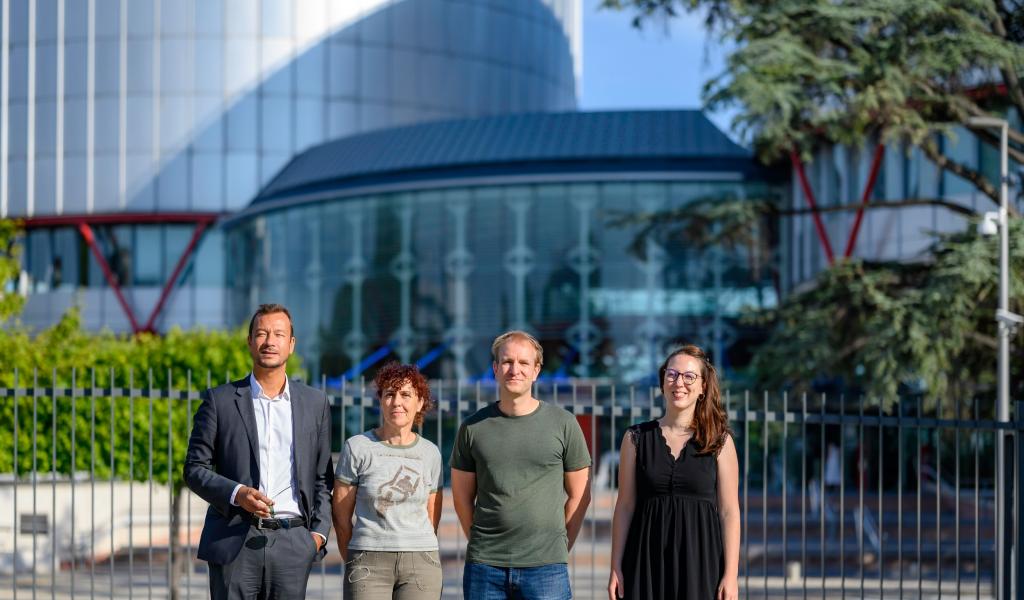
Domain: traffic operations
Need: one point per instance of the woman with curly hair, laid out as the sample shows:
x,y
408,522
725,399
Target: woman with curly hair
x,y
389,478
676,525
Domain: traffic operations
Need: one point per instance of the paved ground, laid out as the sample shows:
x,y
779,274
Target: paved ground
x,y
589,568
327,585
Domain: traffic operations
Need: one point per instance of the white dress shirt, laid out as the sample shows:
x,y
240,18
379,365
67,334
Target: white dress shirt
x,y
277,459
276,450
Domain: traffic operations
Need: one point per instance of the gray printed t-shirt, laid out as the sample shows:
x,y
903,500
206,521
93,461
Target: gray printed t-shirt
x,y
393,484
520,465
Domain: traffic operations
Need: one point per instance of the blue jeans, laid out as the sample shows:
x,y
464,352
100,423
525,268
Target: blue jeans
x,y
546,582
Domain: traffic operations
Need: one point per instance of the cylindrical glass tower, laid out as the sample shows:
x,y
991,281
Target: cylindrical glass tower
x,y
189,107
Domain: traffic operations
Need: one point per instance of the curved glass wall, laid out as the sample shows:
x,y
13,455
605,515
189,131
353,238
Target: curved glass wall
x,y
184,106
156,105
432,276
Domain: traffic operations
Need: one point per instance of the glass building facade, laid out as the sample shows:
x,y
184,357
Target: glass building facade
x,y
838,175
427,266
192,106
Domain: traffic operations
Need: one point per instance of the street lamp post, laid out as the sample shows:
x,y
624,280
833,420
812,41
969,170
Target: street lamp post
x,y
1007,322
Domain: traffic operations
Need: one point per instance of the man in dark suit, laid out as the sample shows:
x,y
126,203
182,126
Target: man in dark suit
x,y
260,454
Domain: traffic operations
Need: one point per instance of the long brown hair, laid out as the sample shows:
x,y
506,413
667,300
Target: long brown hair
x,y
710,421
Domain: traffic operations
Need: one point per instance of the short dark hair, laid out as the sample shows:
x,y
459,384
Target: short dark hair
x,y
269,309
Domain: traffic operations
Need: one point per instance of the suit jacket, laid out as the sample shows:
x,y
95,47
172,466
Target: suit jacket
x,y
223,452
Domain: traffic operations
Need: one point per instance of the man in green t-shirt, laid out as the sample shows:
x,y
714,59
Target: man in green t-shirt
x,y
511,460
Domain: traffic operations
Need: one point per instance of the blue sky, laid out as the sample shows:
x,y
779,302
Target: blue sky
x,y
662,65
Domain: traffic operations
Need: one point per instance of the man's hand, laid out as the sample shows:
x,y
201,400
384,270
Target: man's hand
x,y
317,540
253,501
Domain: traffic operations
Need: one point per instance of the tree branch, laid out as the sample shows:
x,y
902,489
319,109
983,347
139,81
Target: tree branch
x,y
992,139
988,136
1010,78
849,349
953,206
931,150
985,340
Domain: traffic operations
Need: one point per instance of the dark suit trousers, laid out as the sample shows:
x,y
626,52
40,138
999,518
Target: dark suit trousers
x,y
272,564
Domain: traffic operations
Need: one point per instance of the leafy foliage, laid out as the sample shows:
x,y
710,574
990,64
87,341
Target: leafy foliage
x,y
806,71
64,354
882,327
10,259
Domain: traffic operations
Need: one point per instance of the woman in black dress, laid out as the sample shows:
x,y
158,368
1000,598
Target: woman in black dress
x,y
676,527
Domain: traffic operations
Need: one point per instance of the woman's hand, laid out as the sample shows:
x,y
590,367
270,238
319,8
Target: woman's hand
x,y
728,589
616,589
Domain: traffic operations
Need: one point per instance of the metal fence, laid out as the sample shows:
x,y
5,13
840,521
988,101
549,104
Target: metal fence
x,y
839,497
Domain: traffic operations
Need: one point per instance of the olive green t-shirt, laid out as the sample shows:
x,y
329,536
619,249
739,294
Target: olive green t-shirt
x,y
519,462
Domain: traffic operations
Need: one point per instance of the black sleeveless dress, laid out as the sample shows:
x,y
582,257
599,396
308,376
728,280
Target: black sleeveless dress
x,y
674,546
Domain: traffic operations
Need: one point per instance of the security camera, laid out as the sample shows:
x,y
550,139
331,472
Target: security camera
x,y
989,224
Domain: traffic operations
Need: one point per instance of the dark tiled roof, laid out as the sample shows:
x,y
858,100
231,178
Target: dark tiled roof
x,y
676,137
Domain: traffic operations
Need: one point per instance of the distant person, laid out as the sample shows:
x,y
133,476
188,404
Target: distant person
x,y
390,479
520,471
676,525
833,479
833,475
260,454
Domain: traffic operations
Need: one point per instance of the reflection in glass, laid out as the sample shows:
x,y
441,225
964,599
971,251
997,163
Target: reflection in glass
x,y
478,261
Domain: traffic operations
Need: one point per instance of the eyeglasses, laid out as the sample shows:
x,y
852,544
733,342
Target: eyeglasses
x,y
689,377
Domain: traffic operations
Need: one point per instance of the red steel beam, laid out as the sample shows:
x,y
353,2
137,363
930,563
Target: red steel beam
x,y
119,219
170,284
809,196
876,162
90,240
84,225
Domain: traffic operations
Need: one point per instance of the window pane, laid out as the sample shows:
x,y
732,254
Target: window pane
x,y
240,68
242,17
242,125
309,126
207,181
209,16
140,19
67,247
176,238
208,262
310,71
174,16
148,256
172,187
107,66
344,67
242,182
75,66
276,18
276,131
276,67
207,66
174,66
40,260
139,133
